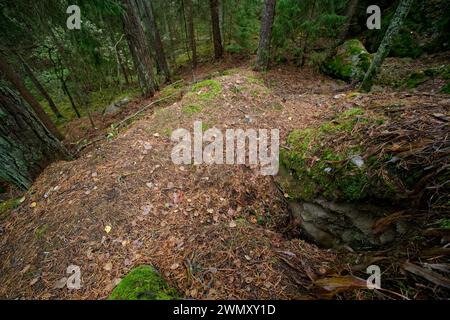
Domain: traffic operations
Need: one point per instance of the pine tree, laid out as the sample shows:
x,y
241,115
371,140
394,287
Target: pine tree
x,y
26,145
217,39
139,49
262,58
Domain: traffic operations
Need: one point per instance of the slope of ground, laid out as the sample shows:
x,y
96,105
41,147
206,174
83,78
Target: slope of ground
x,y
210,230
214,231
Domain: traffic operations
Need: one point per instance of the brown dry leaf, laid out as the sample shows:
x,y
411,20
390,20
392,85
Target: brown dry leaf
x,y
61,283
26,268
341,283
33,281
174,266
108,266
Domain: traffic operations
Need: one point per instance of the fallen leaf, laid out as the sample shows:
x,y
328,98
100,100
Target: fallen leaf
x,y
107,229
33,281
232,224
174,266
61,283
33,205
27,267
108,266
336,284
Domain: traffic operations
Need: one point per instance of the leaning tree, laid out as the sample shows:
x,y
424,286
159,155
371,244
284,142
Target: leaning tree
x,y
26,145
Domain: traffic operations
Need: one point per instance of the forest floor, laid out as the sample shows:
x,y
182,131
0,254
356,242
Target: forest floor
x,y
212,231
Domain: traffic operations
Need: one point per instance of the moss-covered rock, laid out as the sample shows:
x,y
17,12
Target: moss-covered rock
x,y
350,62
143,283
335,172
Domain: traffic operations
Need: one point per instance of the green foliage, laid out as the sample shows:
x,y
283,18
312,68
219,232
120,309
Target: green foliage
x,y
446,88
143,283
425,29
300,25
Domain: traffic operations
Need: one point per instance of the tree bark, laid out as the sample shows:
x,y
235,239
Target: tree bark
x,y
385,45
139,49
59,71
349,13
26,145
120,63
40,87
217,39
12,77
191,31
159,48
263,54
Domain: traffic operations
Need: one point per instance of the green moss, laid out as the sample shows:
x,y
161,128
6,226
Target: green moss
x,y
7,206
446,88
143,283
350,63
41,231
191,109
321,168
207,89
415,79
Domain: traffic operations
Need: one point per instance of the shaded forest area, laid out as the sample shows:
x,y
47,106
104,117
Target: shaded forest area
x,y
86,178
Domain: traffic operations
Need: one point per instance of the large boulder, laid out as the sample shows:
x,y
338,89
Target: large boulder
x,y
350,62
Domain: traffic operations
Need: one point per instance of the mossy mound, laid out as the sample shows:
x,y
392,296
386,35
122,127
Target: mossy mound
x,y
353,158
350,62
326,170
418,77
207,89
143,283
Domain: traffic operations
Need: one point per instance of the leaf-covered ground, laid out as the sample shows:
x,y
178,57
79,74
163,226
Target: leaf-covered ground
x,y
214,231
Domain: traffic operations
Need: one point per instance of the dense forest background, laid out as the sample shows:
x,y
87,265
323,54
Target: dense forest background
x,y
72,72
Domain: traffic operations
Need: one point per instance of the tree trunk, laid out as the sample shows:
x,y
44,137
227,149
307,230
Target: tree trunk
x,y
12,77
26,145
153,28
218,50
59,72
191,31
263,54
169,32
385,46
120,63
349,13
139,49
40,87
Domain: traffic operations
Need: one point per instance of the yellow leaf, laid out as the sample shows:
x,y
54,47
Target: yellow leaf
x,y
107,229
